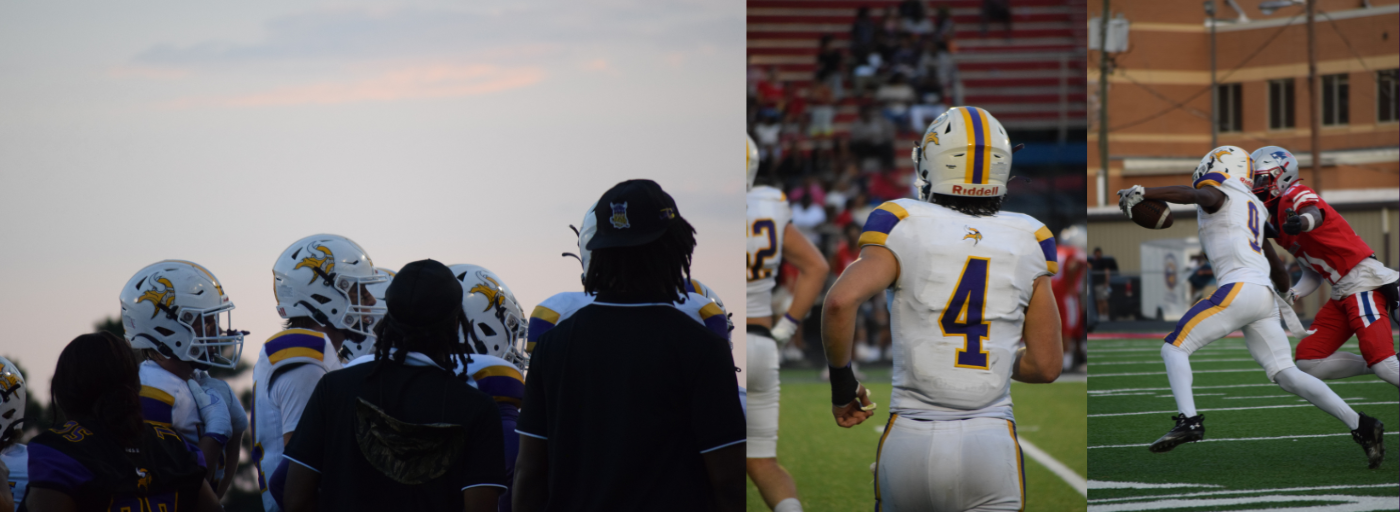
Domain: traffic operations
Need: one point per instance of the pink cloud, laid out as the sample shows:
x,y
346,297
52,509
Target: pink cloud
x,y
434,81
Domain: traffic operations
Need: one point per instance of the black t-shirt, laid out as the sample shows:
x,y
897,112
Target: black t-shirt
x,y
101,475
1099,265
329,439
629,398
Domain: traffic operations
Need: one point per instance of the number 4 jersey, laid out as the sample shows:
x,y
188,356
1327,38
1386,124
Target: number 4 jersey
x,y
958,305
769,215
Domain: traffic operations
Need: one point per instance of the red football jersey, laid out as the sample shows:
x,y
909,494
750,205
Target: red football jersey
x,y
1330,249
1069,280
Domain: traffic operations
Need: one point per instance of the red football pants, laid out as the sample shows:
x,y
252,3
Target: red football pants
x,y
1362,314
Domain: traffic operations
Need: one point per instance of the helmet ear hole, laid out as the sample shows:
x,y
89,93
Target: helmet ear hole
x,y
320,298
163,331
487,330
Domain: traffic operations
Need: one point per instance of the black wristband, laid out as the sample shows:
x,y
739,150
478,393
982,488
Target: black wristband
x,y
843,385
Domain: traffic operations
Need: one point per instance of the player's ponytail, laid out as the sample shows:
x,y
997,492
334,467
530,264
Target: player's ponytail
x,y
98,384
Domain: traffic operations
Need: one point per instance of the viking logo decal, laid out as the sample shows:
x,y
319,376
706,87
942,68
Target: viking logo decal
x,y
973,234
493,294
932,137
325,264
9,385
160,299
619,216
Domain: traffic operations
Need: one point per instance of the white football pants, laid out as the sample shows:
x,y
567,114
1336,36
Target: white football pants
x,y
972,464
763,397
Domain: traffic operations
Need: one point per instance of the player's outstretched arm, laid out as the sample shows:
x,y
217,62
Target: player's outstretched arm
x,y
876,270
1277,272
530,491
811,275
1208,198
1041,360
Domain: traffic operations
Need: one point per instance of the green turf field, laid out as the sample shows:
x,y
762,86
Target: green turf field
x,y
1264,447
832,465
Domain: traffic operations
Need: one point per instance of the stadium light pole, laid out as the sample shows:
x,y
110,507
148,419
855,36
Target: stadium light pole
x,y
1214,93
1313,107
1103,105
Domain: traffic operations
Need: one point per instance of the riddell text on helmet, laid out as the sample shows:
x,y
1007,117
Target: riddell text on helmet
x,y
975,191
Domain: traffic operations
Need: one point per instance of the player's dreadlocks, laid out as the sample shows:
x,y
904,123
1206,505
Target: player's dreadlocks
x,y
395,340
97,383
424,315
660,267
974,206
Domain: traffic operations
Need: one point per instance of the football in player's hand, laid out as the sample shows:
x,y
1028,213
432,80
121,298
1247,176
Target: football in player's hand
x,y
1152,214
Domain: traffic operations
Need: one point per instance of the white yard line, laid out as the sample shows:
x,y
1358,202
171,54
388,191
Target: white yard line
x,y
1159,361
1330,383
1133,374
1254,397
1340,503
1100,484
1219,493
1059,469
1227,409
1237,439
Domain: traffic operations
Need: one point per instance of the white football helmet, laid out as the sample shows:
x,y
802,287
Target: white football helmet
x,y
173,307
13,396
965,152
1273,170
585,233
326,278
1075,236
495,321
694,285
1229,161
751,160
351,349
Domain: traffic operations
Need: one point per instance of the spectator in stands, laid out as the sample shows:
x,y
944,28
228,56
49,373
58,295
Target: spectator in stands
x,y
770,90
766,133
896,96
1202,276
862,208
821,110
872,136
831,66
996,11
929,107
807,215
1103,268
862,33
943,26
912,10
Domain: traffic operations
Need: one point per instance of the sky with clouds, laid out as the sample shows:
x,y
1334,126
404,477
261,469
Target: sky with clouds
x,y
464,132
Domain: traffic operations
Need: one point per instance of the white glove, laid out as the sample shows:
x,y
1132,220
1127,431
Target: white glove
x,y
1128,198
212,410
784,330
1291,296
238,417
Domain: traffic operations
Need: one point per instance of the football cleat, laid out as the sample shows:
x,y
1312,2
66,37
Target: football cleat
x,y
1187,430
1368,435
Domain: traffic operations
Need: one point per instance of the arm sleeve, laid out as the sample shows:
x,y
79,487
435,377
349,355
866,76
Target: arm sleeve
x,y
482,461
308,449
291,392
717,419
534,420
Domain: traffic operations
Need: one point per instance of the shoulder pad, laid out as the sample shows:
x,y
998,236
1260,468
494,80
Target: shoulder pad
x,y
553,310
498,378
701,309
296,346
881,222
767,193
1043,237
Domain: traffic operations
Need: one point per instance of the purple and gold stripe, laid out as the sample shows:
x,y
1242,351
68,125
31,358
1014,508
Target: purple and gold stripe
x,y
295,343
880,223
1020,463
1046,239
502,383
1211,178
542,319
713,318
1204,308
878,450
156,406
979,146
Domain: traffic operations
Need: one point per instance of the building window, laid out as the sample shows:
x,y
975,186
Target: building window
x,y
1336,100
1227,97
1387,96
1281,104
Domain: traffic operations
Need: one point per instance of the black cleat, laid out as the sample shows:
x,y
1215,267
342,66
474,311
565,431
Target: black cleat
x,y
1368,435
1187,430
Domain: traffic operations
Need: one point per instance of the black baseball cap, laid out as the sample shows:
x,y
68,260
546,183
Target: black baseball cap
x,y
634,212
423,293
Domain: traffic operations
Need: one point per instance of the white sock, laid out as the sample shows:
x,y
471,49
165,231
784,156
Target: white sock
x,y
1388,370
1069,362
788,505
1295,381
1339,365
1179,375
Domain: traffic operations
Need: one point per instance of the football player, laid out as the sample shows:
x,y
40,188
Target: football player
x,y
969,284
772,240
1068,285
14,393
494,332
322,287
1231,224
1363,289
171,312
354,348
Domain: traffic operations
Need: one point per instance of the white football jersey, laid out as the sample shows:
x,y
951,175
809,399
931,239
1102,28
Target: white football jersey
x,y
16,458
166,401
769,215
959,304
284,349
1233,236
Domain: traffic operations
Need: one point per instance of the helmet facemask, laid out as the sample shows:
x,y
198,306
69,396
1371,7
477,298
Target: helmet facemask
x,y
210,344
13,398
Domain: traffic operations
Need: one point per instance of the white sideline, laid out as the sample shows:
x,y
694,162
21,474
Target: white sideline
x,y
1330,383
1241,491
1159,361
1236,439
1256,369
1060,470
1104,415
1343,503
1102,484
